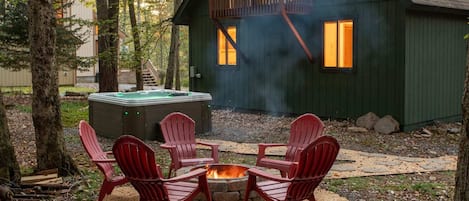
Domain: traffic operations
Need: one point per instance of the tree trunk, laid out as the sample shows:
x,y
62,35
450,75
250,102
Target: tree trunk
x,y
108,44
173,52
9,168
138,50
50,143
461,192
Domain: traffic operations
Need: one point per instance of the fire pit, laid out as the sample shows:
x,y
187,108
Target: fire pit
x,y
228,171
227,182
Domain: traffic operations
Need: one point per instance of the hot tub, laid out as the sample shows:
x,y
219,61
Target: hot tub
x,y
113,114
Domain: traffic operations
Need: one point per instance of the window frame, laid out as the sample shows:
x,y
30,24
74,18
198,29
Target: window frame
x,y
217,51
337,69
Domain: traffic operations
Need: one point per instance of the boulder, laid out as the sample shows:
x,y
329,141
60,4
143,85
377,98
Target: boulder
x,y
367,121
386,125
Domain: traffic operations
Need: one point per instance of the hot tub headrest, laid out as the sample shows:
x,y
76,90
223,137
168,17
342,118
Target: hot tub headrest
x,y
178,94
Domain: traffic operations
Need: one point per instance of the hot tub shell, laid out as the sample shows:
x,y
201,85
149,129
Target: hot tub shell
x,y
111,115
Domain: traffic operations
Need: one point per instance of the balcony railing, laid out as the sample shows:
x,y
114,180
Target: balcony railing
x,y
242,8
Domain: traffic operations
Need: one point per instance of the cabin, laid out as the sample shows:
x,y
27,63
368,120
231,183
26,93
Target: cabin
x,y
337,59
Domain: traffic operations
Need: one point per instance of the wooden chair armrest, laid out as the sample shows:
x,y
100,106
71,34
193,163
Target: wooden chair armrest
x,y
167,146
170,148
109,160
208,144
109,154
192,174
263,146
292,170
272,144
214,148
263,174
172,151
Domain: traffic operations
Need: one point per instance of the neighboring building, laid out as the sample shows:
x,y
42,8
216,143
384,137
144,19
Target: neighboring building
x,y
90,45
23,77
89,48
334,58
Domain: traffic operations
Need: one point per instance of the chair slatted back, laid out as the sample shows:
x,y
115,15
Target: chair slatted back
x,y
303,130
94,150
137,162
315,162
179,129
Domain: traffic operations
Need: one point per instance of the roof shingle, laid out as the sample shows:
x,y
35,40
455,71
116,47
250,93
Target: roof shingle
x,y
454,4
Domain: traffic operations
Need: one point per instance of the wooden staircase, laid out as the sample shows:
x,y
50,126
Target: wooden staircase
x,y
148,78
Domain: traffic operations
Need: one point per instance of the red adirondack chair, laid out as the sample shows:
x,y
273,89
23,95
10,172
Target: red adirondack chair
x,y
100,158
137,162
313,164
303,130
179,134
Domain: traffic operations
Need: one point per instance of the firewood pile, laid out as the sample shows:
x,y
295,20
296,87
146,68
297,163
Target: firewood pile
x,y
43,185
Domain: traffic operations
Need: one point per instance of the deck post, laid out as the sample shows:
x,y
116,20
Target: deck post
x,y
295,32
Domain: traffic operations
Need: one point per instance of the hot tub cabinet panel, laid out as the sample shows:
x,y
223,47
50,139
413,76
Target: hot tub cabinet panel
x,y
116,114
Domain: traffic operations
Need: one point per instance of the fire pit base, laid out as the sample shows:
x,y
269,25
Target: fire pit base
x,y
226,189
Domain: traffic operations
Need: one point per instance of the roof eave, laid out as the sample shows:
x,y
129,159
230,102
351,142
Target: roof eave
x,y
456,6
181,15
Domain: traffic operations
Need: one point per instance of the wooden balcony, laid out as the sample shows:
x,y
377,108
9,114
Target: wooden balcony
x,y
243,8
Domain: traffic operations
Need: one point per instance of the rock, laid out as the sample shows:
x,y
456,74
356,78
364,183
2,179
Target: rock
x,y
425,135
226,196
367,121
426,131
386,125
454,130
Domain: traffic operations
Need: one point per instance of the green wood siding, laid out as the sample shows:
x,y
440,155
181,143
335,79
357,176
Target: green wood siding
x,y
390,65
435,66
278,76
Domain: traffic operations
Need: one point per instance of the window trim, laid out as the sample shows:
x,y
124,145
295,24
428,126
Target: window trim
x,y
354,48
227,66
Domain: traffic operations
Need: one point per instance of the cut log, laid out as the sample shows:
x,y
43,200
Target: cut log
x,y
37,178
51,181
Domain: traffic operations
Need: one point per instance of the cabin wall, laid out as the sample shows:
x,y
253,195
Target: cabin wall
x,y
10,78
89,48
277,77
435,66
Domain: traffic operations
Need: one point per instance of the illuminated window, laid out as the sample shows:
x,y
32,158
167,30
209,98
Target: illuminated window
x,y
59,9
338,44
226,52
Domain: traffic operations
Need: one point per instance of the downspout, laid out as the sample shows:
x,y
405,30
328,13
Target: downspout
x,y
228,37
295,32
